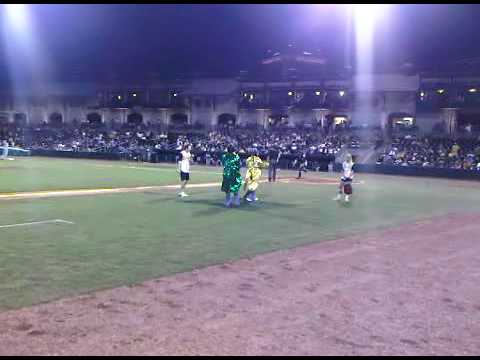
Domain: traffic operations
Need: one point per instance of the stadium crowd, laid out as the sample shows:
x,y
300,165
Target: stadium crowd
x,y
143,141
433,152
134,140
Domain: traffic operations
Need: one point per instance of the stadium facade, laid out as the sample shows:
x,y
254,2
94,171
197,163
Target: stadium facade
x,y
324,98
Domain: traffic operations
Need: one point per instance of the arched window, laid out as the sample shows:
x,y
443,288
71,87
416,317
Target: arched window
x,y
55,118
20,119
227,119
278,120
135,119
3,119
400,120
94,118
179,119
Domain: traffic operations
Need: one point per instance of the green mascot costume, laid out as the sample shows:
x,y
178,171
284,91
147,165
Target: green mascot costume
x,y
232,179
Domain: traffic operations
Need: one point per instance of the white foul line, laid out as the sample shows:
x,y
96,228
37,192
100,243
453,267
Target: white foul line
x,y
56,221
60,193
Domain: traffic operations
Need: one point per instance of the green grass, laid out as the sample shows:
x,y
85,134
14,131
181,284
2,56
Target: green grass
x,y
122,239
38,174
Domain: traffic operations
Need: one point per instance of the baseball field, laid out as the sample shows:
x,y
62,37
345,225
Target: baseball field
x,y
100,257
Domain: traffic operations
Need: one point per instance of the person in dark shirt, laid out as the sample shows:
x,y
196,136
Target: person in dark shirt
x,y
273,158
302,165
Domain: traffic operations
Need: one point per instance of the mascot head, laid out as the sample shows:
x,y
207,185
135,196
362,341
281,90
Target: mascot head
x,y
254,162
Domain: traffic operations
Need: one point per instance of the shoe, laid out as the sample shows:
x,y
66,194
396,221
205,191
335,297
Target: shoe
x,y
256,199
338,197
347,198
248,199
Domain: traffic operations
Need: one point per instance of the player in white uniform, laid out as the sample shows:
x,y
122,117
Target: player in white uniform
x,y
5,150
346,180
184,169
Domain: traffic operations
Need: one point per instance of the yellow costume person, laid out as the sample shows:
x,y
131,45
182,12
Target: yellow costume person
x,y
253,175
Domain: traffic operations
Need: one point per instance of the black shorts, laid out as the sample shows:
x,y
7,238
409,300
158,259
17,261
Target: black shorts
x,y
346,180
347,188
184,176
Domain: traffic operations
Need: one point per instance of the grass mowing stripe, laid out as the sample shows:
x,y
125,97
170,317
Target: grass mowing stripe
x,y
124,238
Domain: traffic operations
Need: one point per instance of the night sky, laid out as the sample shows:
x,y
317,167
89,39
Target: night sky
x,y
96,41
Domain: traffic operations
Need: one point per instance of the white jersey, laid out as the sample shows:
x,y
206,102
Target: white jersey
x,y
347,170
185,162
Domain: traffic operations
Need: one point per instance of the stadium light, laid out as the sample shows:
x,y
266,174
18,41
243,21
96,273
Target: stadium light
x,y
318,93
366,18
472,90
369,13
29,65
341,93
440,91
134,94
119,97
175,94
290,93
17,16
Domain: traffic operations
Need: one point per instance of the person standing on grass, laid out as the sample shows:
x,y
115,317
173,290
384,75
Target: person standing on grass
x,y
345,186
273,158
303,164
184,169
5,150
253,175
232,178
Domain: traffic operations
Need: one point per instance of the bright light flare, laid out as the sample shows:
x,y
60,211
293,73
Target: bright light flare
x,y
366,18
17,16
369,12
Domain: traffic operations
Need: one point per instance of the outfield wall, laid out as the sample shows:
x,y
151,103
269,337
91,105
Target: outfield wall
x,y
14,151
319,162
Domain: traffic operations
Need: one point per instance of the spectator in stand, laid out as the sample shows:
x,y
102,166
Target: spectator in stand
x,y
432,152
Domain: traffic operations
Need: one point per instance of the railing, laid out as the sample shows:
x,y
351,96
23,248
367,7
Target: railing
x,y
316,161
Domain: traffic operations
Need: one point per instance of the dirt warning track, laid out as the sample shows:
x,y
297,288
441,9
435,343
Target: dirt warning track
x,y
408,290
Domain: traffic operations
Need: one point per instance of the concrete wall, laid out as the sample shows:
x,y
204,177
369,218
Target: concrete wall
x,y
394,93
